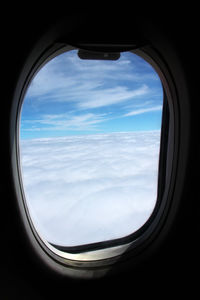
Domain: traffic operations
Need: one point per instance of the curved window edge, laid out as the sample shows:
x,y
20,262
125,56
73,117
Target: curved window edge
x,y
108,252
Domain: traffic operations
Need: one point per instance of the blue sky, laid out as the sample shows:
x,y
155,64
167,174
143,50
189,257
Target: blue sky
x,y
70,96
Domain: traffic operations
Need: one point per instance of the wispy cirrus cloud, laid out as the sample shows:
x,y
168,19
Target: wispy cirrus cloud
x,y
112,96
82,93
143,110
65,122
89,84
68,75
92,93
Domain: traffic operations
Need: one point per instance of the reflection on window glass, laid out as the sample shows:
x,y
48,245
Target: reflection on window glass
x,y
89,147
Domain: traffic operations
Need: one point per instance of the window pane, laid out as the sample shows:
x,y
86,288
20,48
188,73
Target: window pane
x,y
89,147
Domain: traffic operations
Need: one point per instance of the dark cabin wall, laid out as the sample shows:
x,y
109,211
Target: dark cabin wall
x,y
174,264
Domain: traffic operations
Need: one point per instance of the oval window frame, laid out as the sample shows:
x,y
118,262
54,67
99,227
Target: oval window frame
x,y
97,258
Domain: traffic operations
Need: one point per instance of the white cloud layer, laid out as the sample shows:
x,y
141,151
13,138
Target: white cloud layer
x,y
86,189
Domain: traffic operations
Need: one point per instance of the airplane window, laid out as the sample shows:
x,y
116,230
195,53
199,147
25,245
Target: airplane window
x,y
89,140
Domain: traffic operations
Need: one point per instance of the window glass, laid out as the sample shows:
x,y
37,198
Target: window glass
x,y
89,147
